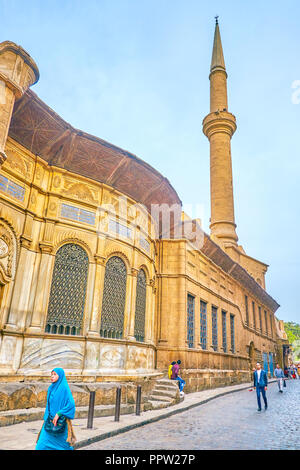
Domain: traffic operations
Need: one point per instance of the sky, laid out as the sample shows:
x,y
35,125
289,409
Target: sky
x,y
135,73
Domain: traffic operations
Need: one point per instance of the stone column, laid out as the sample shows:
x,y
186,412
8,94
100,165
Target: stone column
x,y
18,72
22,289
95,322
130,304
42,289
149,318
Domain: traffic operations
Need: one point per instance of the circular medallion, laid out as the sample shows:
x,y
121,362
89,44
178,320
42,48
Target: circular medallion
x,y
3,248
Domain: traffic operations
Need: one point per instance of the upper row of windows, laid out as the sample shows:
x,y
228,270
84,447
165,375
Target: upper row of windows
x,y
214,326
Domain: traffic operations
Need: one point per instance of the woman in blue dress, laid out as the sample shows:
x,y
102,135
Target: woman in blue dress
x,y
60,402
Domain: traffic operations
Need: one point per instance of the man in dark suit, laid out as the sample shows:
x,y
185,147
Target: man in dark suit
x,y
260,383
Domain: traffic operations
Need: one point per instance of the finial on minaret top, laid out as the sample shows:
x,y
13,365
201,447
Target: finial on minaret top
x,y
217,60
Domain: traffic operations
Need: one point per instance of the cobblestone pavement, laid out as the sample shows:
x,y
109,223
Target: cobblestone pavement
x,y
230,422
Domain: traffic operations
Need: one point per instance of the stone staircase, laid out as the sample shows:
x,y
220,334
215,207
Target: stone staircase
x,y
165,393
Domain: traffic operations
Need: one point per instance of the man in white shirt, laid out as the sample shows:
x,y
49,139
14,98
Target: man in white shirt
x,y
260,384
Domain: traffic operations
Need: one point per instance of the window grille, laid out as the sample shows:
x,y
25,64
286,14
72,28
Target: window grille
x,y
68,291
254,319
203,332
271,323
214,324
140,306
145,244
119,229
266,322
224,335
11,188
246,307
260,319
190,320
78,214
232,333
114,294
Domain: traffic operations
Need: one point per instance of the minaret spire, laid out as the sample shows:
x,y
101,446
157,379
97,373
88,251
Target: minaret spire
x,y
219,126
217,58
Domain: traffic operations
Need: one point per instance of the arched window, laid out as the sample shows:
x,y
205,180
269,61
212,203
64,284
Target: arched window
x,y
68,291
113,302
140,306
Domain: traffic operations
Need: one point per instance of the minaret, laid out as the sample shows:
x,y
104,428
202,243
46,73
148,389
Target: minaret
x,y
219,126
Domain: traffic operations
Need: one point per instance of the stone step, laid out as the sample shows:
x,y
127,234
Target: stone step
x,y
161,398
162,392
167,386
168,382
158,404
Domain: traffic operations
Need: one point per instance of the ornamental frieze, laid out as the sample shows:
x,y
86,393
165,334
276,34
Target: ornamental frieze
x,y
79,191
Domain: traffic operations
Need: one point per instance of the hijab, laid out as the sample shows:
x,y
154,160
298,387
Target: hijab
x,y
59,397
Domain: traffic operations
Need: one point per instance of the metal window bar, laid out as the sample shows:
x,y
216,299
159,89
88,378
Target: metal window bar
x,y
190,320
214,324
246,307
254,319
113,302
140,306
232,333
224,334
203,323
68,291
260,319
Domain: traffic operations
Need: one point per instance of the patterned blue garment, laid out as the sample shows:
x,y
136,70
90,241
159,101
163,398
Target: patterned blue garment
x,y
59,400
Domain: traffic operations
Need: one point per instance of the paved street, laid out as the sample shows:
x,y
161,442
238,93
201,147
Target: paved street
x,y
228,422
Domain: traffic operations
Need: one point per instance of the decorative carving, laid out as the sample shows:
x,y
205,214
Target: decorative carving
x,y
79,191
8,253
46,247
3,248
134,272
100,260
56,181
25,241
116,250
72,237
17,163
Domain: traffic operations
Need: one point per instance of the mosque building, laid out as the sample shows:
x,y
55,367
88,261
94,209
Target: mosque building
x,y
101,272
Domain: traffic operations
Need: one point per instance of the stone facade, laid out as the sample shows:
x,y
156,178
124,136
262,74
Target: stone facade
x,y
89,280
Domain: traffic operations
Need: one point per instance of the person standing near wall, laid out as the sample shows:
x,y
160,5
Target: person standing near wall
x,y
170,369
278,373
175,376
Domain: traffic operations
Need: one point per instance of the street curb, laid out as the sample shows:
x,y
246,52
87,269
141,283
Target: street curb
x,y
101,437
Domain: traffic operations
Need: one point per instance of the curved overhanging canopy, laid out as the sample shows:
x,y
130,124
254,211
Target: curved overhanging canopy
x,y
40,130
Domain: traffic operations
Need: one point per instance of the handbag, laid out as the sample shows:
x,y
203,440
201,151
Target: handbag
x,y
60,425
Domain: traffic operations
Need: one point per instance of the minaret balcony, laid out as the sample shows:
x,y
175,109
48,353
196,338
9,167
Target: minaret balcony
x,y
219,121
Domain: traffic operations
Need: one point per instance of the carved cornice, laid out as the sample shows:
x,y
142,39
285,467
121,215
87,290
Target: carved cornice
x,y
25,241
3,157
46,247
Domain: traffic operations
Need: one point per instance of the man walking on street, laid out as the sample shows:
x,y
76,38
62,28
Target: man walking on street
x,y
260,383
278,373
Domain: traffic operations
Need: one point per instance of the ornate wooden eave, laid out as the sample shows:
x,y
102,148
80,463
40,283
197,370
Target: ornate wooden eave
x,y
43,132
